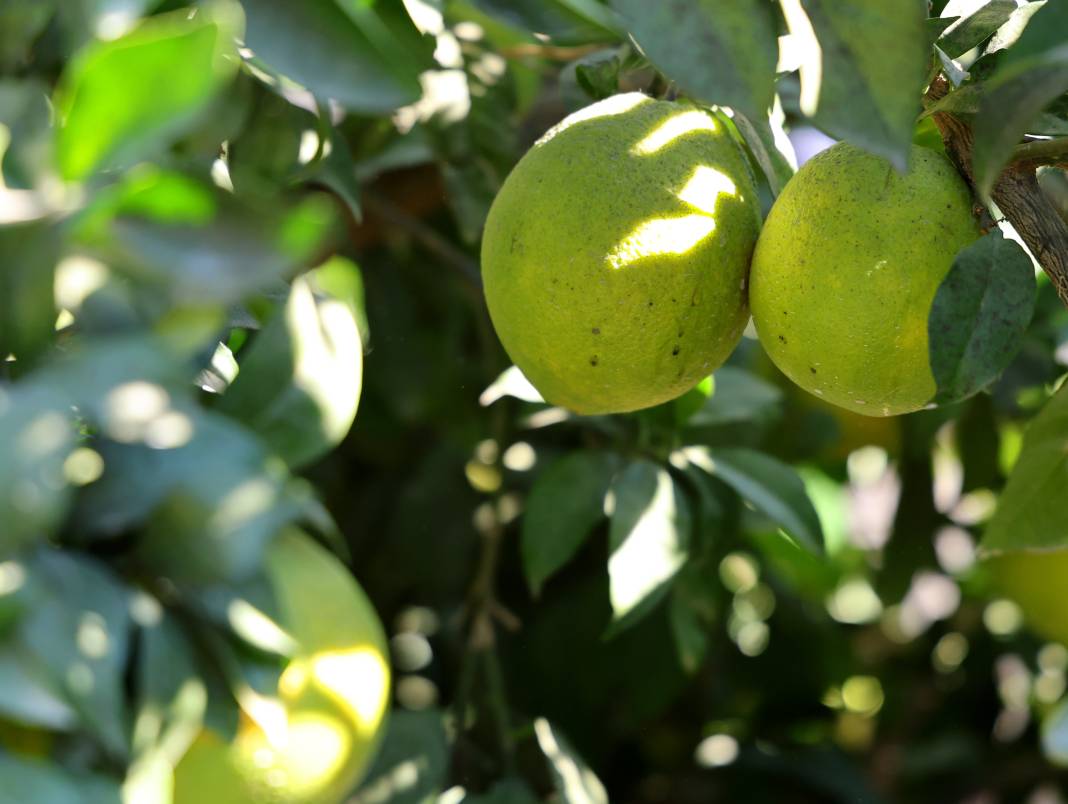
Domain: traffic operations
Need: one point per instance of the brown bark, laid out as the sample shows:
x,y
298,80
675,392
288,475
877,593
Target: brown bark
x,y
1016,194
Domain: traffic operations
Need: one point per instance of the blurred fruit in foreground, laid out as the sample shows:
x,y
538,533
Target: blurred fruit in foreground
x,y
615,255
311,744
845,271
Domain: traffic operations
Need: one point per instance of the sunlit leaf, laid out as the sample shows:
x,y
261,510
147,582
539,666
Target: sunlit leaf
x,y
121,100
299,383
772,487
1030,75
564,21
979,316
972,29
716,51
575,783
862,80
648,539
566,502
1030,513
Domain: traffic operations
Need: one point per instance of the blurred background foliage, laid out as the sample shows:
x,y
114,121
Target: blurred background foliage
x,y
224,225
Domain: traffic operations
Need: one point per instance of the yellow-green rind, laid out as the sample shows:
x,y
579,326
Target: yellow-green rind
x,y
334,691
610,291
845,271
1037,581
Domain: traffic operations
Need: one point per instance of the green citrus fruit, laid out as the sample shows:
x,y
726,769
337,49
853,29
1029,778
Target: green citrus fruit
x,y
313,741
846,268
1038,583
615,256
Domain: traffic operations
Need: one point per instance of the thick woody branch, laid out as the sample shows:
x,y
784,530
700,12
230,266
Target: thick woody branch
x,y
1016,192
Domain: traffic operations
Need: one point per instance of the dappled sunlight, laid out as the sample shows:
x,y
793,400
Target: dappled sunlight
x,y
257,628
358,680
804,52
615,105
243,503
673,128
679,234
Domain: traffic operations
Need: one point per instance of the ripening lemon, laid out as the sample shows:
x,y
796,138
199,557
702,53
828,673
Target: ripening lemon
x,y
312,743
616,253
847,265
1038,583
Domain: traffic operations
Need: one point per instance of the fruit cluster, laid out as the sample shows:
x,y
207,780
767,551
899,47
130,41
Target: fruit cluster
x,y
624,254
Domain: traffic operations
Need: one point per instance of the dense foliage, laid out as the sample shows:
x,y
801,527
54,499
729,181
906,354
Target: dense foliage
x,y
224,225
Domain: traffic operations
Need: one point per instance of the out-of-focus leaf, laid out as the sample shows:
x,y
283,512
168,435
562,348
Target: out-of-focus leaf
x,y
693,400
566,502
692,610
299,382
1031,74
563,21
1010,32
26,699
37,780
121,100
979,315
317,45
770,147
771,486
201,243
416,749
506,791
1030,513
575,783
77,632
862,77
21,22
37,432
511,382
718,52
26,113
971,30
1055,735
648,539
739,396
27,301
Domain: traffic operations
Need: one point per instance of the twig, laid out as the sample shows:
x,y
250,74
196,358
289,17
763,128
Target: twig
x,y
1045,152
551,52
1016,194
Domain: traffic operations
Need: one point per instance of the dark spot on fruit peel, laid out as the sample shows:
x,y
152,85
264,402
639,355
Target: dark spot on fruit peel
x,y
782,339
596,330
675,351
593,360
812,369
650,303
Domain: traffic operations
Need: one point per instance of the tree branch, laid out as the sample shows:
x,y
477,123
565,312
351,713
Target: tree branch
x,y
1016,193
1046,152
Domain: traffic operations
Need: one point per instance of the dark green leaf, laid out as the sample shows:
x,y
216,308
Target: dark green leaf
x,y
121,100
1030,512
77,633
575,783
718,52
772,487
979,315
969,31
26,112
863,83
766,145
563,21
39,781
739,396
566,502
414,742
37,431
27,298
299,382
21,22
648,539
25,698
316,44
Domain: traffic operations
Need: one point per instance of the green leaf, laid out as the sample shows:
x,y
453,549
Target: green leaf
x,y
1030,513
1055,735
864,80
688,613
567,500
77,633
299,382
648,539
506,791
716,51
979,316
971,30
121,100
416,746
27,298
37,780
37,431
739,396
317,45
563,21
770,147
24,696
575,783
1032,73
21,22
26,112
771,486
